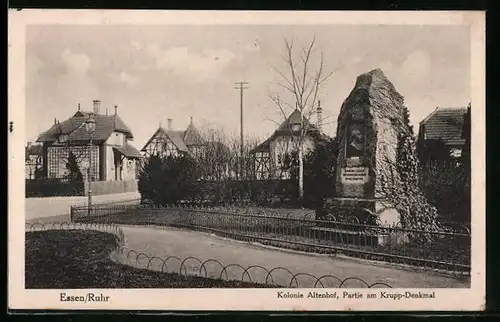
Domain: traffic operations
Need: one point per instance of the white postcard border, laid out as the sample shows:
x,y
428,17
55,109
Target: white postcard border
x,y
238,299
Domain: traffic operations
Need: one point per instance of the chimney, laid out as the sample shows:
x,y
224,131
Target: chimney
x,y
78,106
116,113
55,121
97,106
169,124
191,119
319,115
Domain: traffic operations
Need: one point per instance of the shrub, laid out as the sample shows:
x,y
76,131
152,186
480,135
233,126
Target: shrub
x,y
400,184
319,174
445,180
168,180
73,169
48,187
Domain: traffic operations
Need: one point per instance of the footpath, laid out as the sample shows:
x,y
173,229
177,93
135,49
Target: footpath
x,y
164,242
56,209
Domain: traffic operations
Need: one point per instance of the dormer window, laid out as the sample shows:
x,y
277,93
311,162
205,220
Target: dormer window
x,y
63,138
296,127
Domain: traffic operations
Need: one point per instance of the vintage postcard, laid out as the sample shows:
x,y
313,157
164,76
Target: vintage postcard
x,y
278,161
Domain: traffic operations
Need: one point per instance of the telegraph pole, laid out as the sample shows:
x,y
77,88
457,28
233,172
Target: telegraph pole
x,y
241,87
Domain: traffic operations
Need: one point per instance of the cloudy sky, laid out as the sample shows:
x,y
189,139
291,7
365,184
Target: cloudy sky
x,y
157,72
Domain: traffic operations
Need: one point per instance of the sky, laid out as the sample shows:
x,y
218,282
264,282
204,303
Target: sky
x,y
180,71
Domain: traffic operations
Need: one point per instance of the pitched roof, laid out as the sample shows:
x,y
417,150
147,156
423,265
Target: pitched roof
x,y
32,150
74,126
128,151
294,118
285,128
177,139
192,136
445,124
181,139
263,147
175,136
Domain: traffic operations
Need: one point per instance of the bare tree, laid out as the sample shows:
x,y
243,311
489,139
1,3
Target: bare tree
x,y
303,81
221,157
215,157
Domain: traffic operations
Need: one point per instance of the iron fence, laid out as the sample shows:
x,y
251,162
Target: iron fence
x,y
102,227
444,250
215,269
191,266
135,202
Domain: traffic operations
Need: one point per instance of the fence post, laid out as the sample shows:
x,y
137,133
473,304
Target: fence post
x,y
70,213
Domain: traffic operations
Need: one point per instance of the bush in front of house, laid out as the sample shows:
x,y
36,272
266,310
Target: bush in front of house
x,y
53,187
168,180
445,179
172,180
73,172
319,174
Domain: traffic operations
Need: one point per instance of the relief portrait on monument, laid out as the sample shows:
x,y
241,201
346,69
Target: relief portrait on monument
x,y
355,141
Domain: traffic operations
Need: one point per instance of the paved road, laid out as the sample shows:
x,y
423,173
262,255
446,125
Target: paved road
x,y
164,242
57,208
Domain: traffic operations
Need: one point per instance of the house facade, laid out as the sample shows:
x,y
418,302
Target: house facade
x,y
270,157
33,161
106,154
167,141
443,126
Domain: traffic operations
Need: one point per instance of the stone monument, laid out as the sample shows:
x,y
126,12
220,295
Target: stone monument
x,y
369,122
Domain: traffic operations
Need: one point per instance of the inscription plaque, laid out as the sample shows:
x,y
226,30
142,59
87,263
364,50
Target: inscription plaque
x,y
354,175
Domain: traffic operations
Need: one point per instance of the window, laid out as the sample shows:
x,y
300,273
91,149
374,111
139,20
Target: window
x,y
280,158
117,139
296,127
63,138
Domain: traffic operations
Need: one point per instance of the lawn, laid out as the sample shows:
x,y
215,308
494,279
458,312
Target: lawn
x,y
81,259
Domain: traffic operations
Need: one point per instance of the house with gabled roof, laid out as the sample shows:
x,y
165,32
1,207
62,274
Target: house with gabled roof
x,y
113,157
445,125
33,161
269,156
167,141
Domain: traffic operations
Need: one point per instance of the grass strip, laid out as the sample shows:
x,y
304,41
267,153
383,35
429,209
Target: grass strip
x,y
81,259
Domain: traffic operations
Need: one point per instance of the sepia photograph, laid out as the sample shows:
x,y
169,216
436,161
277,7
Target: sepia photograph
x,y
322,161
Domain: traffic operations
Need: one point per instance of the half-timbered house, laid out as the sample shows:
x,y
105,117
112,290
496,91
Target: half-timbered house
x,y
167,141
270,156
